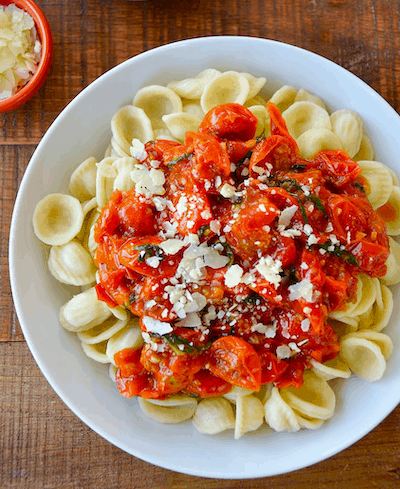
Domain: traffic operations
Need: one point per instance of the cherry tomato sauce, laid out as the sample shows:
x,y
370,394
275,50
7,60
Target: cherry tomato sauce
x,y
297,231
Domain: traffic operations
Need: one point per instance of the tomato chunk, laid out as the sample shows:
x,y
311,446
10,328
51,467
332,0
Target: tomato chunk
x,y
235,361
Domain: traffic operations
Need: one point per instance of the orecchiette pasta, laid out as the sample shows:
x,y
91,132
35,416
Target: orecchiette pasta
x,y
213,416
57,219
347,125
228,87
302,116
379,181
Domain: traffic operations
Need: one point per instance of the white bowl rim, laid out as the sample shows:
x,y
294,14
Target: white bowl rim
x,y
196,471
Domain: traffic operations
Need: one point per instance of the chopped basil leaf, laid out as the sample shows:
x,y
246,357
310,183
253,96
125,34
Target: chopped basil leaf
x,y
180,158
343,254
247,155
175,341
132,298
204,231
318,204
149,251
360,187
298,167
228,251
253,299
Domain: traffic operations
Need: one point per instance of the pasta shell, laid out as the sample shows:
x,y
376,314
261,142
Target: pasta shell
x,y
256,84
393,226
72,264
366,151
57,219
379,314
304,96
249,415
164,134
314,140
257,100
315,399
344,326
82,183
302,116
347,125
117,151
229,87
130,123
279,415
263,124
363,357
157,101
380,184
392,276
83,312
106,174
332,369
128,337
284,97
237,392
368,295
309,423
382,340
123,180
179,123
167,413
213,415
88,240
193,108
192,88
105,330
96,352
87,207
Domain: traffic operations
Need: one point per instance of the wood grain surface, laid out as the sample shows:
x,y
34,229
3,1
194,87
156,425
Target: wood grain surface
x,y
42,443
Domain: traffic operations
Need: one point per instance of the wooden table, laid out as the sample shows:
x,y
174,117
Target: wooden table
x,y
42,443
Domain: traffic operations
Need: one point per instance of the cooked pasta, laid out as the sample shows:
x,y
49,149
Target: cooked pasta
x,y
163,268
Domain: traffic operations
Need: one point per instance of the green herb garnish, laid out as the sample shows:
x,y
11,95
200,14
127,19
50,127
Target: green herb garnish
x,y
360,187
180,158
343,254
132,298
149,251
318,204
175,341
254,299
204,231
298,167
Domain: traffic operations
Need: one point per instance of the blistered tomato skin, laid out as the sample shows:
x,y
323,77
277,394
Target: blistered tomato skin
x,y
229,121
237,259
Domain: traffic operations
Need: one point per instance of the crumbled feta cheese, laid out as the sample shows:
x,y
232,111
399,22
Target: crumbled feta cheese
x,y
270,269
312,239
153,261
148,182
155,326
286,216
305,325
283,351
137,150
227,190
233,276
303,289
171,246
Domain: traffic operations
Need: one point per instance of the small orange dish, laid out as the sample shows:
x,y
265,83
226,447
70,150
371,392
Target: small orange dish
x,y
43,30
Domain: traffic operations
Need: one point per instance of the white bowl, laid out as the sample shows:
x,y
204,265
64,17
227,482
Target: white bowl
x,y
83,130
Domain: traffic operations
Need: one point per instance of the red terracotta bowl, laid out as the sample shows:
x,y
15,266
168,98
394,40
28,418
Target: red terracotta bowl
x,y
44,33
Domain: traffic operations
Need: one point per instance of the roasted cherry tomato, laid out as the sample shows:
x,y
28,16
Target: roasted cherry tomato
x,y
235,361
229,121
205,384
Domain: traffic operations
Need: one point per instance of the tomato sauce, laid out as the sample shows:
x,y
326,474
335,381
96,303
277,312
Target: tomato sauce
x,y
236,263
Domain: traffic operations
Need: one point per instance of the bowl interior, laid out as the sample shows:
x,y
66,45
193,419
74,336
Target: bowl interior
x,y
83,130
